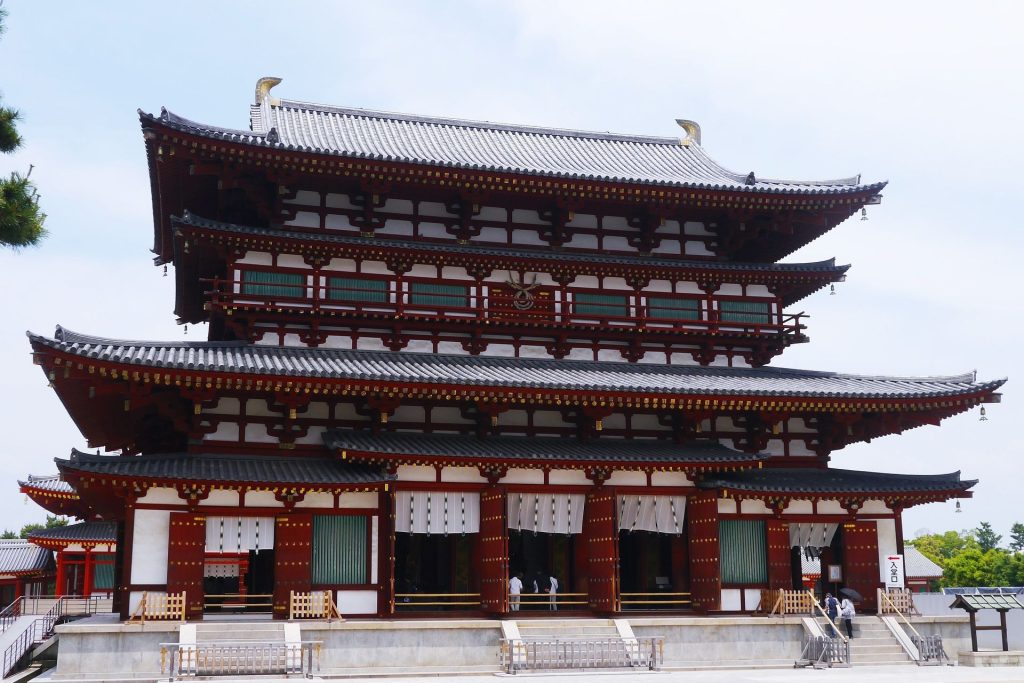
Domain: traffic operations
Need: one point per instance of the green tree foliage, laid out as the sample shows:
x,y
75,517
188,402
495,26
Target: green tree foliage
x,y
52,521
1017,537
941,547
8,534
987,538
21,220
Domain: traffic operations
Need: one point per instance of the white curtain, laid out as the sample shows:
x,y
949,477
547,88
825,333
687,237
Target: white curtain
x,y
437,512
660,514
548,513
811,534
239,534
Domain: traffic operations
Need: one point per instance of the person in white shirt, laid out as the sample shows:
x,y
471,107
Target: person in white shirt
x,y
847,612
515,589
553,593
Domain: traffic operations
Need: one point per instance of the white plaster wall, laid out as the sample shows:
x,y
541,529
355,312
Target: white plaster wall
x,y
416,473
135,597
221,497
317,499
754,507
256,258
523,476
731,599
726,505
670,479
226,405
874,507
357,602
257,433
752,596
358,499
462,474
305,198
262,499
149,546
333,221
626,478
161,495
568,478
374,547
799,507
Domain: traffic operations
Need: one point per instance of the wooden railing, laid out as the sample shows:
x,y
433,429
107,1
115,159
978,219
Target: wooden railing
x,y
240,658
160,607
534,601
313,605
436,600
238,602
654,600
634,312
816,606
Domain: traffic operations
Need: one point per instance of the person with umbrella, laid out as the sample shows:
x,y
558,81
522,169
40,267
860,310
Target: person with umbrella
x,y
832,610
848,612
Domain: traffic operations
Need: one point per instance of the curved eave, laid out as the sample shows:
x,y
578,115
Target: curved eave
x,y
59,503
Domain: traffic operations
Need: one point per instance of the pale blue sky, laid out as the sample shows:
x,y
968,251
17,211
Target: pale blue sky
x,y
926,95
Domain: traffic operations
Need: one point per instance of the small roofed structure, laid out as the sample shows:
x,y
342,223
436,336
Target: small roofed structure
x,y
25,569
973,604
922,573
85,556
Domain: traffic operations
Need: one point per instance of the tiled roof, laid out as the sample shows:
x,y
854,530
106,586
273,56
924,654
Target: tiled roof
x,y
50,483
831,480
556,450
567,256
489,371
103,532
485,146
916,563
978,601
311,472
18,556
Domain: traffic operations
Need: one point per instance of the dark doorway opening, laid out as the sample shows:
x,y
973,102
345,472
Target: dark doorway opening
x,y
435,572
537,557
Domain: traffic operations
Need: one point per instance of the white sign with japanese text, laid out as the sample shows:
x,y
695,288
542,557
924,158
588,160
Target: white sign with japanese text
x,y
894,571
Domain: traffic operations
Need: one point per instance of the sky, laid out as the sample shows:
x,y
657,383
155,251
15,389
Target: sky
x,y
926,95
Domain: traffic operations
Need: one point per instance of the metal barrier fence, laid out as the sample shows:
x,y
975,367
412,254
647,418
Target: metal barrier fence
x,y
40,629
930,649
822,651
546,654
239,658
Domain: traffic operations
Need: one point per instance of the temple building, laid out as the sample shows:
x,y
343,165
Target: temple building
x,y
443,353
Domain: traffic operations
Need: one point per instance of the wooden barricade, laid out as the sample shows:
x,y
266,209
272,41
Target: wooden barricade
x,y
160,607
900,600
786,602
313,605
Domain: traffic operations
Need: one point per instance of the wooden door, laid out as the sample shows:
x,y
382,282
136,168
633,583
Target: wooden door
x,y
780,571
387,531
293,554
601,536
493,549
860,561
186,556
702,533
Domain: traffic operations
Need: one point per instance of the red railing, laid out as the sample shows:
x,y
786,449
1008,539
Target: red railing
x,y
544,307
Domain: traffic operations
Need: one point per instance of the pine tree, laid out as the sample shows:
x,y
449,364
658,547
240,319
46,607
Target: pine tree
x,y
21,220
987,538
1017,537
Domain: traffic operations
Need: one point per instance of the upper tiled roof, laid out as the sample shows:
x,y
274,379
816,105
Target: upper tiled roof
x,y
51,483
556,450
837,481
567,256
482,145
489,371
18,556
973,602
103,532
228,468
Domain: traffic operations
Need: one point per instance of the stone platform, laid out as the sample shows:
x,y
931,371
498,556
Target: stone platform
x,y
101,648
992,658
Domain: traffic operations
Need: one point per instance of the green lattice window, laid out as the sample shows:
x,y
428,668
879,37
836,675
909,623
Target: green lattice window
x,y
269,283
672,308
438,296
103,572
601,305
339,549
743,551
759,312
357,290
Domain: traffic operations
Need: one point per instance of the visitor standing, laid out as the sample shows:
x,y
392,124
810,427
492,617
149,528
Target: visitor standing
x,y
848,614
553,593
832,610
515,589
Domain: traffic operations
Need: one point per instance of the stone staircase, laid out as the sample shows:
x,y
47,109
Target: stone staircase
x,y
566,629
874,644
249,631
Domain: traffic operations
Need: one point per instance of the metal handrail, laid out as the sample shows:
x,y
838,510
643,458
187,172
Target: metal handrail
x,y
41,629
655,598
239,657
899,613
815,605
430,600
545,653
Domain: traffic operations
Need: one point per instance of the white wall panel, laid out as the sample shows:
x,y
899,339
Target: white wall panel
x,y
149,546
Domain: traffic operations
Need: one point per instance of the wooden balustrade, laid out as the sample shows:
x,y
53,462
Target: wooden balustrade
x,y
160,607
787,601
654,600
313,605
895,601
436,600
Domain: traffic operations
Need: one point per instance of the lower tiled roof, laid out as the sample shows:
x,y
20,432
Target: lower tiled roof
x,y
556,450
195,467
19,556
100,532
831,480
50,483
490,371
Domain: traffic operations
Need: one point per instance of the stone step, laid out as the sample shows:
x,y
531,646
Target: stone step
x,y
884,658
877,650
